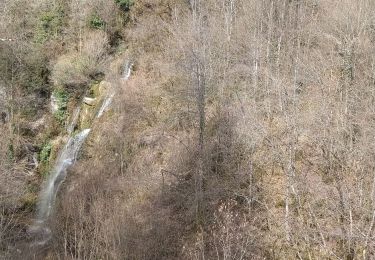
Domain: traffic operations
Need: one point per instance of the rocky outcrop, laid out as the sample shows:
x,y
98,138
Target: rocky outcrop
x,y
89,101
54,103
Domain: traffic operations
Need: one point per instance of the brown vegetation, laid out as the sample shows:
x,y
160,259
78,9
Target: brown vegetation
x,y
245,132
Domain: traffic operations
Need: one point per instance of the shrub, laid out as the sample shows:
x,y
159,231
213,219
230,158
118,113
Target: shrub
x,y
77,68
96,22
62,98
95,47
44,157
45,153
50,23
62,103
68,71
60,116
125,4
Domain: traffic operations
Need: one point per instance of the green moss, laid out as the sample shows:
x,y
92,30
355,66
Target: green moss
x,y
62,98
96,22
55,150
45,153
94,90
44,159
61,116
10,152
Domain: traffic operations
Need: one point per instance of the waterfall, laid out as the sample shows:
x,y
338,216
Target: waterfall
x,y
127,70
66,158
106,103
74,121
110,95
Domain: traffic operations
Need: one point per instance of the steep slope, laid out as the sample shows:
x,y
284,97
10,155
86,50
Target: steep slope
x,y
245,132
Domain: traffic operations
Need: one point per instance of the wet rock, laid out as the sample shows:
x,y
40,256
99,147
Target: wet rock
x,y
89,101
54,103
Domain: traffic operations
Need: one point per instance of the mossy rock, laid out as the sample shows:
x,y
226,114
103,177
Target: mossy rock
x,y
56,145
48,155
95,90
98,91
103,88
87,116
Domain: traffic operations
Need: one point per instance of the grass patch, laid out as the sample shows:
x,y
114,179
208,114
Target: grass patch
x,y
62,99
96,22
50,25
45,153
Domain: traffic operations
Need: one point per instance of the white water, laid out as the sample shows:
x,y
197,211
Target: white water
x,y
106,103
127,70
109,98
54,103
74,121
66,158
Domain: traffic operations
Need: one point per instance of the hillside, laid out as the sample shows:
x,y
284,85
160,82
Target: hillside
x,y
176,129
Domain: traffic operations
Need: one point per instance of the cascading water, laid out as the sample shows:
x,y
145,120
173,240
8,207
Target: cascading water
x,y
66,158
106,103
127,70
73,124
110,95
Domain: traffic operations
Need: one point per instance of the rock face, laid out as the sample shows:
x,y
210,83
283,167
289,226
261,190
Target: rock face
x,y
86,116
54,103
89,101
104,86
